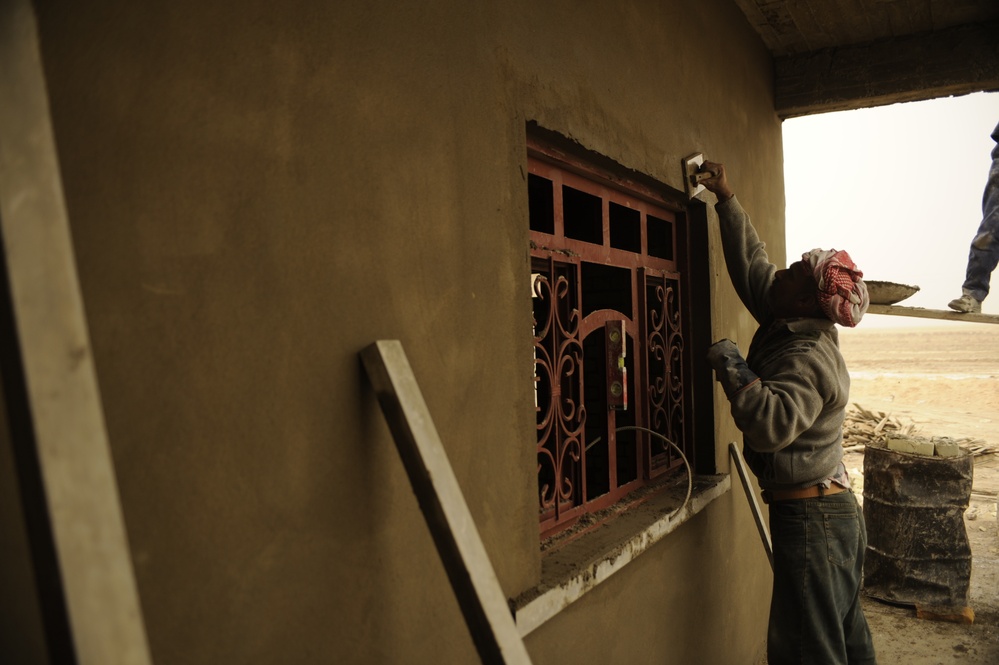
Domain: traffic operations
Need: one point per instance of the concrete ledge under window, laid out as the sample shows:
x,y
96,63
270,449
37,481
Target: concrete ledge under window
x,y
576,563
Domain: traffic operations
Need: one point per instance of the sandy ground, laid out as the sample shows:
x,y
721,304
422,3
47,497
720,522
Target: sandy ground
x,y
945,381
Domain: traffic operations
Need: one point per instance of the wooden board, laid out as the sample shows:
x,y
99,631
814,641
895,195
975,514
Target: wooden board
x,y
80,555
468,567
939,314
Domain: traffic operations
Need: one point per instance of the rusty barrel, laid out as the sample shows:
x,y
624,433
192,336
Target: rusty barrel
x,y
917,546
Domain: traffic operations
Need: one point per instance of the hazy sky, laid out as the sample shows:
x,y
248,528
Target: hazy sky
x,y
899,187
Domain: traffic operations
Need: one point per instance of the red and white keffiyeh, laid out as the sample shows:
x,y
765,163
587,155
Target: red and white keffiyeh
x,y
842,292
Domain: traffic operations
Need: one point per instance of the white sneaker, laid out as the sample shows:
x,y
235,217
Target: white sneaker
x,y
966,303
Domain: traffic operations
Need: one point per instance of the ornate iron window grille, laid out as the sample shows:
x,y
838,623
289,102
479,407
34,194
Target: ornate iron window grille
x,y
603,257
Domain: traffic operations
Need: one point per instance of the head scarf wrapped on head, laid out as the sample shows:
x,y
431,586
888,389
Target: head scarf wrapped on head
x,y
842,293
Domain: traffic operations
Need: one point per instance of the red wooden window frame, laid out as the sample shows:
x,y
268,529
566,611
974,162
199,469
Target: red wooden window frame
x,y
604,251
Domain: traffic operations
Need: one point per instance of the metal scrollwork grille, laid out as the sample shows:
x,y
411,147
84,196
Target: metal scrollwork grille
x,y
665,357
558,357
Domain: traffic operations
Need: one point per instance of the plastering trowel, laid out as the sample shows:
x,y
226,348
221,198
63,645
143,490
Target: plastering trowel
x,y
693,175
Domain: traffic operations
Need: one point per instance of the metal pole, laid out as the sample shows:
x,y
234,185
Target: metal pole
x,y
761,526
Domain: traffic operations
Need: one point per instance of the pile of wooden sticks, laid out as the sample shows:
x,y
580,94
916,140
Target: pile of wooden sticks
x,y
866,428
873,428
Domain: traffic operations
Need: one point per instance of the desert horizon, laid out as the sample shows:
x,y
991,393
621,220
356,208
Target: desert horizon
x,y
942,378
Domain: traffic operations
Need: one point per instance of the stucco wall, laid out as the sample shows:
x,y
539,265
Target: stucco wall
x,y
258,191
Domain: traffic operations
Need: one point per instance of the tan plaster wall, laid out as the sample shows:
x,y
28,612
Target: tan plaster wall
x,y
258,191
695,599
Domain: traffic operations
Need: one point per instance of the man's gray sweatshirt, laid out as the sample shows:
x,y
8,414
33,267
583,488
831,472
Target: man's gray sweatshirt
x,y
789,396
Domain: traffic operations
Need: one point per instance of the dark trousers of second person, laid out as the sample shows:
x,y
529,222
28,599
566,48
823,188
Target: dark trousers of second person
x,y
984,254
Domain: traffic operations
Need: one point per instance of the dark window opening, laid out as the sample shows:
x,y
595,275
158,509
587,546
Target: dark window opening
x,y
606,287
625,228
583,216
660,234
597,454
541,199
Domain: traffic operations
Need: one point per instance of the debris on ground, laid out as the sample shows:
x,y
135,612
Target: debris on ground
x,y
864,428
867,428
978,448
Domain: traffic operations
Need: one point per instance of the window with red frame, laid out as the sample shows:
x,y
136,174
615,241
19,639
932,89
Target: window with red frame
x,y
610,335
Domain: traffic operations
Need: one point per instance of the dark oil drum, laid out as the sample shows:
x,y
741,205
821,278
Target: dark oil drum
x,y
917,546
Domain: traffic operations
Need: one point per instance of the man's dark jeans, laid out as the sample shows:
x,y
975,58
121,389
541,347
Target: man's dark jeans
x,y
815,614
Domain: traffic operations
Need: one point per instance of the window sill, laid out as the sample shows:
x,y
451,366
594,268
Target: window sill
x,y
573,564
